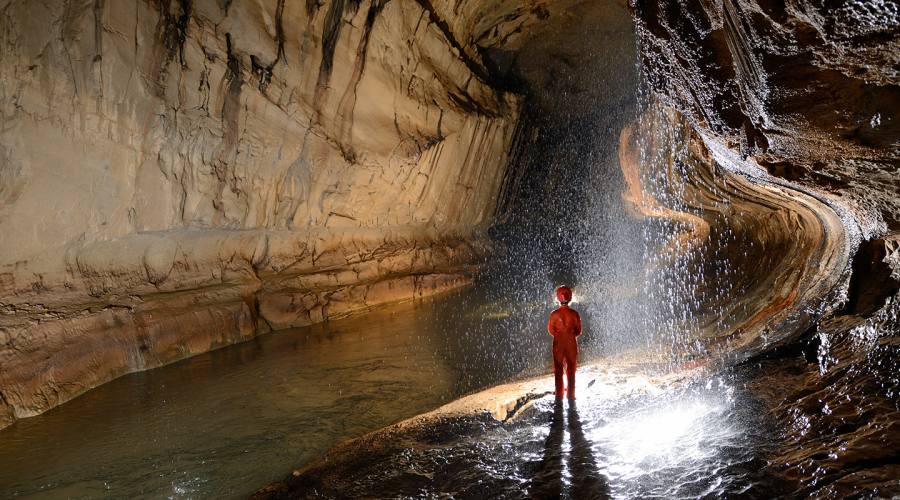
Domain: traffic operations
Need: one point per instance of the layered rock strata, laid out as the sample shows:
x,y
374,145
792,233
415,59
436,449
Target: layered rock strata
x,y
176,176
180,175
809,91
804,92
751,260
774,148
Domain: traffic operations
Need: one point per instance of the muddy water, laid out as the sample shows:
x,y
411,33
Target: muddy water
x,y
221,424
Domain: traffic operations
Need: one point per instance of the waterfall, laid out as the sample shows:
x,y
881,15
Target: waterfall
x,y
651,264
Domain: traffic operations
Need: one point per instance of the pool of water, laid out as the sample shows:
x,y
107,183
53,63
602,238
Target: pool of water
x,y
222,424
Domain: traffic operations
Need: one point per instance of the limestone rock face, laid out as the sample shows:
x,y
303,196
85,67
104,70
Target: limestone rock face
x,y
785,248
808,90
177,176
807,95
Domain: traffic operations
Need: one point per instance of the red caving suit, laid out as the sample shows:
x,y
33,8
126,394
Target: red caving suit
x,y
565,327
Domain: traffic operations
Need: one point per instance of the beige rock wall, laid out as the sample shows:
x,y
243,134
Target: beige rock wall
x,y
179,176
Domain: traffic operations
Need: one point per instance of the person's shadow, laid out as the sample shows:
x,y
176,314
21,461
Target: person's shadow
x,y
587,482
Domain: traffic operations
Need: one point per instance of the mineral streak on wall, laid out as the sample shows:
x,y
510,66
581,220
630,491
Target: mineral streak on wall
x,y
783,251
803,101
176,176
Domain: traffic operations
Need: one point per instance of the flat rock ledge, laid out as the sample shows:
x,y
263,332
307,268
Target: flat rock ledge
x,y
466,416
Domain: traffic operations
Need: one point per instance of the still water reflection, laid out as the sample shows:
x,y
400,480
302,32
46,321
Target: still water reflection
x,y
224,423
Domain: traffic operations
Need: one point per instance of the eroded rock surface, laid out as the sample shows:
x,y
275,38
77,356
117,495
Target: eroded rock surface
x,y
808,90
758,258
176,176
628,436
773,144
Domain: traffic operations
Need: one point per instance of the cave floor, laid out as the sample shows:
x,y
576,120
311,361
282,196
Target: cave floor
x,y
629,435
785,424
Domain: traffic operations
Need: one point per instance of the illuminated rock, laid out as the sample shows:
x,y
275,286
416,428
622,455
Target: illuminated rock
x,y
176,180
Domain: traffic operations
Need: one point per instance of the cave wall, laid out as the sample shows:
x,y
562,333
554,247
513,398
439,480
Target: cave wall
x,y
808,90
801,95
176,176
744,261
805,96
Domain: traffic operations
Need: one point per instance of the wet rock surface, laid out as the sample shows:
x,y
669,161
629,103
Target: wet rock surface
x,y
757,171
788,424
809,90
179,176
627,436
837,407
750,260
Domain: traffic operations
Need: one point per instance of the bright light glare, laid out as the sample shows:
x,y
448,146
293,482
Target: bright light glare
x,y
660,432
659,438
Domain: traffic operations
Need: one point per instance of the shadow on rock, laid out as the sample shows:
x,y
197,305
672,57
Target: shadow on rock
x,y
586,479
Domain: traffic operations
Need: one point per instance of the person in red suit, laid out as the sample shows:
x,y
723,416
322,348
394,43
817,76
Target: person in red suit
x,y
565,327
